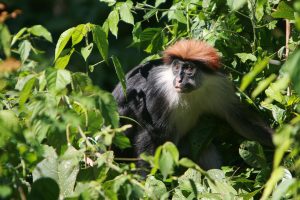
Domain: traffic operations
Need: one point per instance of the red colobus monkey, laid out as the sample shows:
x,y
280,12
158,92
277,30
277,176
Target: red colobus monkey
x,y
167,96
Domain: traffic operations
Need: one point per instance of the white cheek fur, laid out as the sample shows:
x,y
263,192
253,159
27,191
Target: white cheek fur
x,y
215,93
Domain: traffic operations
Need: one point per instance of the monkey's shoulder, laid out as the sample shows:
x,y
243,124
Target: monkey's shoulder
x,y
143,70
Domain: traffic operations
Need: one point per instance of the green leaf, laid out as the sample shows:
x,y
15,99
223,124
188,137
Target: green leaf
x,y
259,9
246,56
86,51
113,20
57,79
170,147
276,175
108,107
62,41
26,91
100,39
158,2
63,60
63,169
262,85
40,31
121,141
5,39
24,50
120,73
275,89
5,191
109,2
166,163
284,11
9,125
154,188
291,66
44,188
18,35
175,13
252,153
125,12
258,67
236,4
79,32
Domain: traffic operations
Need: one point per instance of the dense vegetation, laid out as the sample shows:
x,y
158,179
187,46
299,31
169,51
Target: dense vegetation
x,y
57,126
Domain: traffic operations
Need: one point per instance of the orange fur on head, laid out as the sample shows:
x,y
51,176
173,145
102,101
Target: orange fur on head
x,y
193,50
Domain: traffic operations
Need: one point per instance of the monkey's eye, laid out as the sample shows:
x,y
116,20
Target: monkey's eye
x,y
189,69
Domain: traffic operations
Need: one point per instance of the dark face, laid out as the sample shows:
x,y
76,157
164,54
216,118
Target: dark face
x,y
188,75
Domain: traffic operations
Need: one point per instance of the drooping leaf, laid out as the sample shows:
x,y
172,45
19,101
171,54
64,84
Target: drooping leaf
x,y
62,41
5,39
259,9
125,12
26,91
40,31
18,35
113,20
262,85
24,50
158,2
100,39
120,73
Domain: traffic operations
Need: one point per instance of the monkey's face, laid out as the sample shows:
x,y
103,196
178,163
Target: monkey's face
x,y
187,75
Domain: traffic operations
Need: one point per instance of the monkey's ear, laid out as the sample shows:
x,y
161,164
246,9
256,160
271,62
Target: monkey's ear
x,y
249,124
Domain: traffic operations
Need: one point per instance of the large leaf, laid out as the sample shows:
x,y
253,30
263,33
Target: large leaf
x,y
40,31
62,41
63,59
100,39
63,169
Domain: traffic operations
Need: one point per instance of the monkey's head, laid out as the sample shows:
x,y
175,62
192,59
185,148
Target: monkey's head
x,y
190,61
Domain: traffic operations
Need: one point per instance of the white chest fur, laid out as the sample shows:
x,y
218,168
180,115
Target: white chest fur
x,y
185,108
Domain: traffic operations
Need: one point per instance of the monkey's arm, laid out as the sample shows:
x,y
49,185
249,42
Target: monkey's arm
x,y
248,123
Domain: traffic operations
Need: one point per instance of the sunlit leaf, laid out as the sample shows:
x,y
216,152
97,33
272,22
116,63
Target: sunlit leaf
x,y
26,91
5,39
40,31
24,49
236,4
113,20
79,32
125,12
252,153
86,51
62,41
100,39
63,60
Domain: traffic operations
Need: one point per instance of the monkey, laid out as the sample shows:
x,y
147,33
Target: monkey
x,y
167,96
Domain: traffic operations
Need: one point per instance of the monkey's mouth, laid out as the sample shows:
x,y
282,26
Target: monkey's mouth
x,y
181,89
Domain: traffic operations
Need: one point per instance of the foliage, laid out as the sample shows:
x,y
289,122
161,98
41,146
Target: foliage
x,y
57,127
